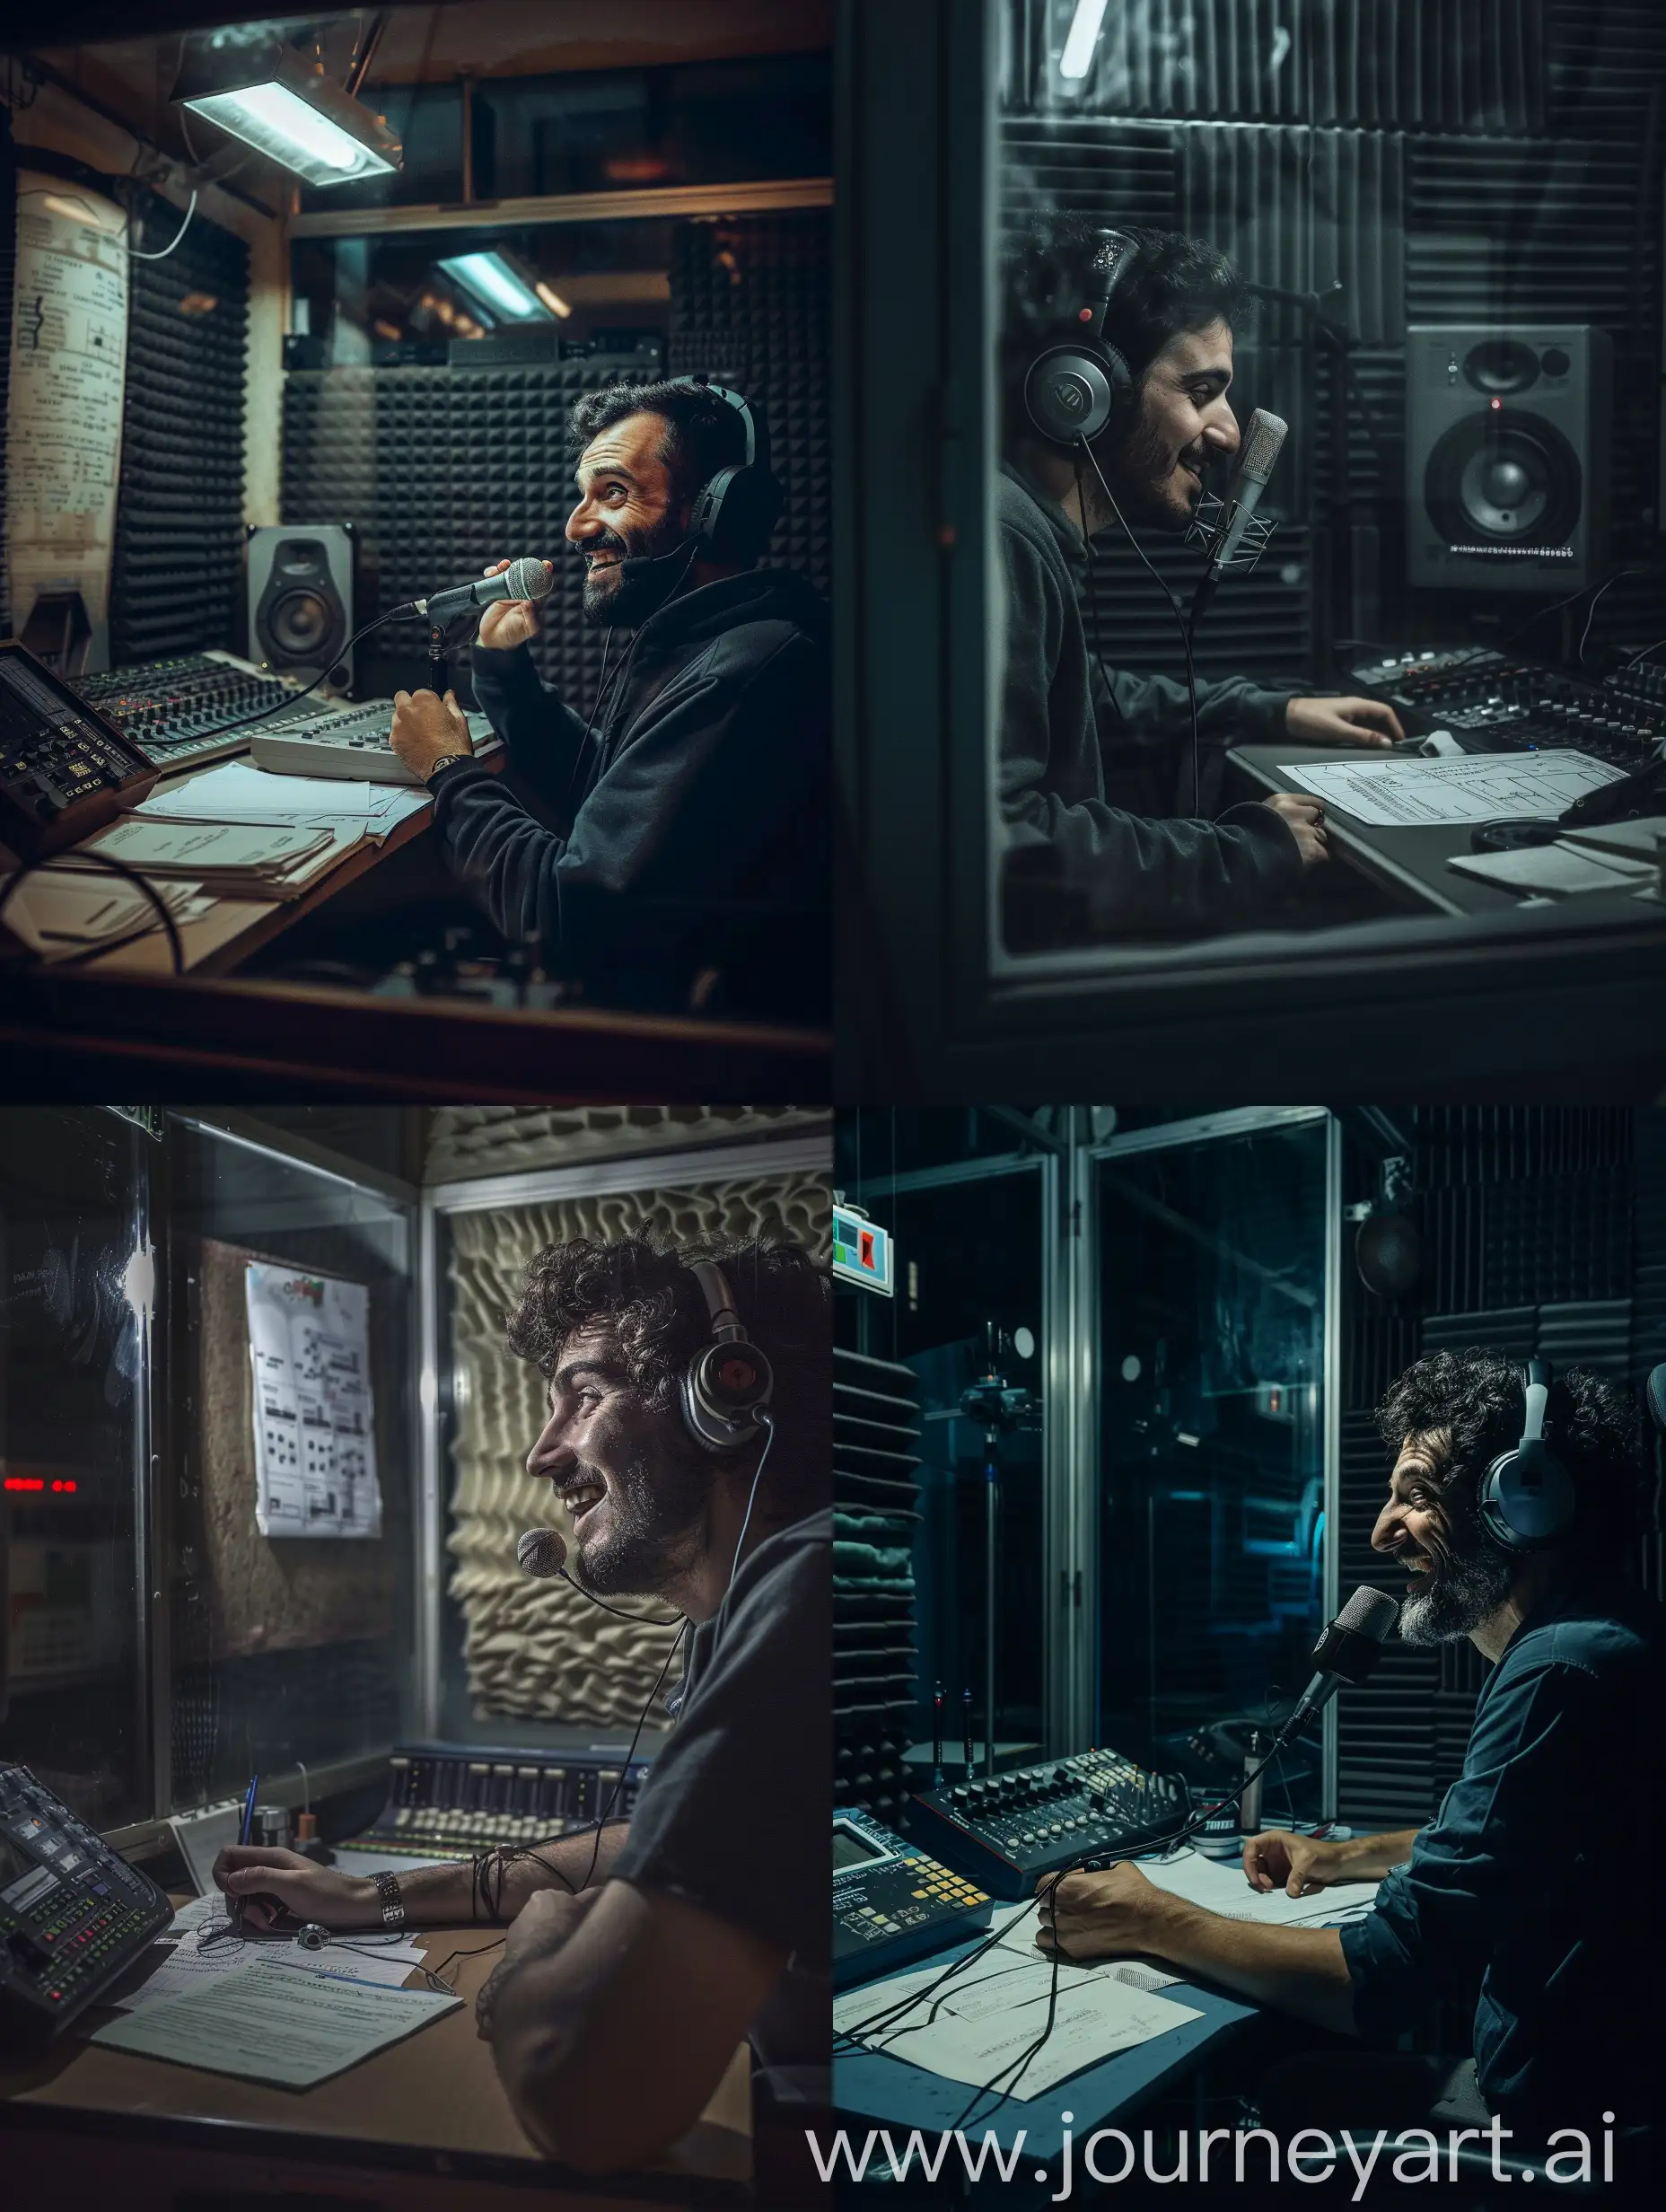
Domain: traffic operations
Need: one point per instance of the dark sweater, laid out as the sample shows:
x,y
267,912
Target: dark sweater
x,y
1078,868
687,833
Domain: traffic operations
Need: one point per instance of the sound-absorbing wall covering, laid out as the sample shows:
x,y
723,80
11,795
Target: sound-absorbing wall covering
x,y
876,1444
497,1140
444,470
177,573
537,1650
8,274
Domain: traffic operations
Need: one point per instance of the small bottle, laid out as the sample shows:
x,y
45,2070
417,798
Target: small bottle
x,y
1250,1803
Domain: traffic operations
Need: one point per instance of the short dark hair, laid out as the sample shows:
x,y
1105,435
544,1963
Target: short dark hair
x,y
644,1294
1592,1423
702,433
1049,275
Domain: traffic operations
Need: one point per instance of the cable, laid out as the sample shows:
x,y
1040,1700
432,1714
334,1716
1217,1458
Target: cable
x,y
1644,655
1539,613
291,698
643,1621
166,249
116,867
764,1420
1185,627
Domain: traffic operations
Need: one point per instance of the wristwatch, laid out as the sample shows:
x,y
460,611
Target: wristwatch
x,y
393,1904
444,761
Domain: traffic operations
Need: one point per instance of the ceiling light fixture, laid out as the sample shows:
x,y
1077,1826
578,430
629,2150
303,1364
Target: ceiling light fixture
x,y
1077,57
493,280
259,90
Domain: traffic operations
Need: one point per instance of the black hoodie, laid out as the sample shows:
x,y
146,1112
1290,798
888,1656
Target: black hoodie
x,y
689,833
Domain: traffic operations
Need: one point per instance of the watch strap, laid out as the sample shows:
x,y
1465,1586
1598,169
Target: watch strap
x,y
445,761
392,1903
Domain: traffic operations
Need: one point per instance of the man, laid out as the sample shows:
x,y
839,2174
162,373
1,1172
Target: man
x,y
666,841
1510,1902
1089,757
634,1967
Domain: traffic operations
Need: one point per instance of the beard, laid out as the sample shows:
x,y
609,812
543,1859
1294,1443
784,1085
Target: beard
x,y
1142,470
656,1527
1465,1588
615,601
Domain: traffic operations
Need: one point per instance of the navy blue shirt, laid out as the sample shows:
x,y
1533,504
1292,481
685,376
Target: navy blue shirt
x,y
1514,1899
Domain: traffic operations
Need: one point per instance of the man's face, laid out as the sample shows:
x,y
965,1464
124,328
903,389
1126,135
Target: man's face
x,y
1455,1578
1184,423
636,1485
628,505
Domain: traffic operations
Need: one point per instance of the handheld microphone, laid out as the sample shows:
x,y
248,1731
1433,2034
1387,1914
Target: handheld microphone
x,y
526,578
1347,1651
1264,437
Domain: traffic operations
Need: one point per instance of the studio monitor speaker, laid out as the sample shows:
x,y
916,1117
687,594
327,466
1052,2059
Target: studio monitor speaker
x,y
300,599
1507,456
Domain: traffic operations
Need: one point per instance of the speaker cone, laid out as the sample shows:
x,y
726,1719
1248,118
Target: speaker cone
x,y
1511,479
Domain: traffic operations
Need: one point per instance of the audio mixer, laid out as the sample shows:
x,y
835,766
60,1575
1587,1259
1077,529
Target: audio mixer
x,y
1491,704
352,744
65,769
74,1915
893,1902
449,1800
177,711
1006,1832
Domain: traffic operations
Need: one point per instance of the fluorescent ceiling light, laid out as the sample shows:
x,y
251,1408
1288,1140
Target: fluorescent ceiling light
x,y
552,299
490,278
259,90
1077,57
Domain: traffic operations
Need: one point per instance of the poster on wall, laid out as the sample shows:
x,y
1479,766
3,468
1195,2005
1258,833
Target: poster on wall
x,y
315,1434
68,374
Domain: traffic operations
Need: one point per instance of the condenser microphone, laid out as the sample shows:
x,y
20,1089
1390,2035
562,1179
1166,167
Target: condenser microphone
x,y
1656,1394
541,1552
1347,1651
1264,438
526,578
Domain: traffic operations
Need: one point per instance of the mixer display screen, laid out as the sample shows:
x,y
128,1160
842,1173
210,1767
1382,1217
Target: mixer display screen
x,y
850,1848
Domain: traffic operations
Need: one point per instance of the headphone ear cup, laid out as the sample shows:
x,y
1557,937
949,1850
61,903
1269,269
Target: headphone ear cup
x,y
734,515
724,1387
1073,393
1527,1500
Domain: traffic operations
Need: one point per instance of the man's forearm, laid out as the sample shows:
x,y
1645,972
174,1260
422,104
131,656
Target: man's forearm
x,y
1299,1969
1367,1858
452,1892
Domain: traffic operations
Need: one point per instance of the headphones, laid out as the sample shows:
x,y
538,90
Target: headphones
x,y
735,510
726,1386
1073,391
1527,1500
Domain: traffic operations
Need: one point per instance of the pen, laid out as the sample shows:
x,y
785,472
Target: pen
x,y
246,1829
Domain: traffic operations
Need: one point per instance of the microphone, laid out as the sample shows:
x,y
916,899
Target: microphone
x,y
1264,438
542,1552
1656,1392
526,578
1347,1651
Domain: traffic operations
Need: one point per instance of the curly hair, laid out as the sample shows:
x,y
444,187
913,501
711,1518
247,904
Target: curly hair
x,y
643,1295
1049,274
702,435
1473,1399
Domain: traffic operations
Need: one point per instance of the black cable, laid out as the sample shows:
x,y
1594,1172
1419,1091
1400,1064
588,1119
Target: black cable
x,y
291,697
1184,628
643,1621
1539,613
607,1811
116,867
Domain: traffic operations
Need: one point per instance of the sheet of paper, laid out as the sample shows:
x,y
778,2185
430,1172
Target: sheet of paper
x,y
202,850
987,2019
1221,1888
201,1838
1559,871
203,1955
315,1430
1631,840
276,2023
1481,787
61,912
236,791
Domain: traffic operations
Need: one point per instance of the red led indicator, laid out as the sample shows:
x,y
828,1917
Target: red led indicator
x,y
34,1482
1084,314
1495,404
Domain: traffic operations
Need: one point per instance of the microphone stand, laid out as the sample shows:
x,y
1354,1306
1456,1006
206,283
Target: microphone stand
x,y
1000,1408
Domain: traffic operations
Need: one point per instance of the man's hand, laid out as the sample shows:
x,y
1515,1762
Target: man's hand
x,y
426,727
1297,1865
1305,817
310,1892
543,1926
507,623
1103,1915
1343,721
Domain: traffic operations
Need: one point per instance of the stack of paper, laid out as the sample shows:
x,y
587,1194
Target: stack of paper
x,y
234,860
204,1956
239,792
61,914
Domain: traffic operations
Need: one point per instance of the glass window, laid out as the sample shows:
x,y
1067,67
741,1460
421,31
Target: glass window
x,y
74,1293
285,1648
1213,1552
969,1318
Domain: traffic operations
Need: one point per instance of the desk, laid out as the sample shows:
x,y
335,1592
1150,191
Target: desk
x,y
885,2091
1409,863
423,2123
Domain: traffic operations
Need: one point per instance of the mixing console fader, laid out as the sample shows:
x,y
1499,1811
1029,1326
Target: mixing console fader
x,y
193,709
1008,1832
1490,704
449,1800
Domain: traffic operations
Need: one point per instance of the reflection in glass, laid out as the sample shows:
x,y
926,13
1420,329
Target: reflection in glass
x,y
1212,1341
